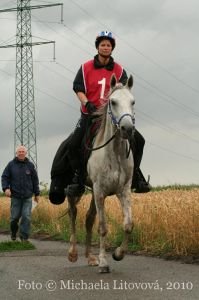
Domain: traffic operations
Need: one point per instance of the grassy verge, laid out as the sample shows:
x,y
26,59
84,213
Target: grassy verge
x,y
15,245
175,187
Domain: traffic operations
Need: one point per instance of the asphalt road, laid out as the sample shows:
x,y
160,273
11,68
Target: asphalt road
x,y
45,273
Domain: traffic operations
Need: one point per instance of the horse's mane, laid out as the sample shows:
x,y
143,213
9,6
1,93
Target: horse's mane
x,y
102,111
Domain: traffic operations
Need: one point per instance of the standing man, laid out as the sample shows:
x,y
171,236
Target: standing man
x,y
19,182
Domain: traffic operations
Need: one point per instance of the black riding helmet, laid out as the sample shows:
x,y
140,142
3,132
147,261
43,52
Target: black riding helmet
x,y
105,35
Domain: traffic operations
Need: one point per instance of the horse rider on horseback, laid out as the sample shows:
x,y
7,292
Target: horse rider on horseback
x,y
91,85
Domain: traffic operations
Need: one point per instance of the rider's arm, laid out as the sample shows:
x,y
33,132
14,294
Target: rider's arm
x,y
79,88
82,97
78,83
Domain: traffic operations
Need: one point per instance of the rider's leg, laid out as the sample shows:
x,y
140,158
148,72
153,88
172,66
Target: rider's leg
x,y
60,173
139,182
76,159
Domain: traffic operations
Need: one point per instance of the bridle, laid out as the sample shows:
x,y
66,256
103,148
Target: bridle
x,y
117,124
114,119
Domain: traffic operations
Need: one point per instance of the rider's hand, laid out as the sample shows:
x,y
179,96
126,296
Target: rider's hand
x,y
91,108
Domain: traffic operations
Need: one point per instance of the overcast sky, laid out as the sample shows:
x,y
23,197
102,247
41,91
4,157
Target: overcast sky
x,y
156,41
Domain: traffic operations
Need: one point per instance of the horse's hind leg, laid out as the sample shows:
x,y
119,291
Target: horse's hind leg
x,y
125,200
90,219
72,252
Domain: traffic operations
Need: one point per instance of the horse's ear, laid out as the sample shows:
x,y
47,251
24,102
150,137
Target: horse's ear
x,y
130,82
113,81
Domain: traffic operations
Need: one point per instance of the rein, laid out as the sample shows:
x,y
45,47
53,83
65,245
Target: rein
x,y
117,124
106,143
128,150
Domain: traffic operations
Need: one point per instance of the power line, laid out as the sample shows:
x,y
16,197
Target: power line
x,y
64,37
61,65
65,67
139,52
54,72
25,123
75,109
57,99
170,99
173,152
170,129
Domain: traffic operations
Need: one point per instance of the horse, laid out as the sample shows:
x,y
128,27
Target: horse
x,y
110,171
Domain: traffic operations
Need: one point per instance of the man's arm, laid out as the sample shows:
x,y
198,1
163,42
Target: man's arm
x,y
35,181
5,181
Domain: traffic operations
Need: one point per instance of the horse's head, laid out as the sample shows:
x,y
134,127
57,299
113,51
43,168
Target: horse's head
x,y
121,106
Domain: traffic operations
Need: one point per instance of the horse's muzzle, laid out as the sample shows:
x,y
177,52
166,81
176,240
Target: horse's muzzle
x,y
127,131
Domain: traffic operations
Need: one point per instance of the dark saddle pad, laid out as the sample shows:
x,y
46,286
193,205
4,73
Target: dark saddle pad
x,y
88,140
62,172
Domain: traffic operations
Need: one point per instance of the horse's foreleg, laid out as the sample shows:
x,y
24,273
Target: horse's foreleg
x,y
125,200
103,265
72,252
90,219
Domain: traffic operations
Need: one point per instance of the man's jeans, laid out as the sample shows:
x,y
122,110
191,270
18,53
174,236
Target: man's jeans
x,y
20,208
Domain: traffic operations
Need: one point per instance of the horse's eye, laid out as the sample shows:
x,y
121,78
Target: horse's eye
x,y
132,102
113,103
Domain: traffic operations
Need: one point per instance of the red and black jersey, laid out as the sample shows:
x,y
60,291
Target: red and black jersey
x,y
94,80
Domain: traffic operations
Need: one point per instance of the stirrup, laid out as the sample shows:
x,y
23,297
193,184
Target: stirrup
x,y
143,186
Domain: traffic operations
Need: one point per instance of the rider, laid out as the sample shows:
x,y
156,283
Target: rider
x,y
91,85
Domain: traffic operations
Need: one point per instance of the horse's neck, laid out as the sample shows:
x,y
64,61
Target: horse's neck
x,y
109,130
106,134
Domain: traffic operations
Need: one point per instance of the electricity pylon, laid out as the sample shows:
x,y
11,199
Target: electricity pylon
x,y
25,123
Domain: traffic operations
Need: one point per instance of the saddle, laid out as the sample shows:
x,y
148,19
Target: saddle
x,y
62,173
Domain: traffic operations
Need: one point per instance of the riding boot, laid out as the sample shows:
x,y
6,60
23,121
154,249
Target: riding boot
x,y
76,188
139,183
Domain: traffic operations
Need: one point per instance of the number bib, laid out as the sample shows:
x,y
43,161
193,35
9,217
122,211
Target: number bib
x,y
97,82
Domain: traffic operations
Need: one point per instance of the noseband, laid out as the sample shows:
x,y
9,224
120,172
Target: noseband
x,y
117,122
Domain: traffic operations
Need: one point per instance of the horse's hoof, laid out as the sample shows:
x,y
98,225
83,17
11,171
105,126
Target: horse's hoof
x,y
72,257
93,261
104,269
117,257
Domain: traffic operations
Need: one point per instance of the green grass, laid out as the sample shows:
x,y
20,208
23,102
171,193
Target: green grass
x,y
15,246
4,224
182,187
